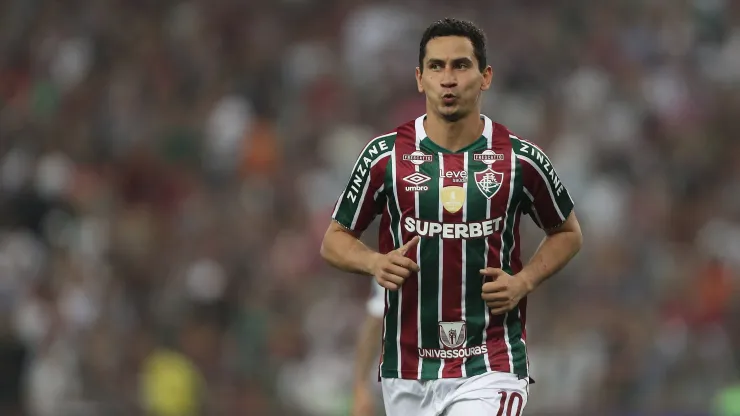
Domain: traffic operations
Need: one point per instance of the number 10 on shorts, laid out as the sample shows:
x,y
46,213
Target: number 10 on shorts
x,y
512,402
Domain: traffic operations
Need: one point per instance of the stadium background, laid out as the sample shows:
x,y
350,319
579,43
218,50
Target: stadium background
x,y
167,170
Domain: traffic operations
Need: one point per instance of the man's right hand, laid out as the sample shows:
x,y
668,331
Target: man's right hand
x,y
392,269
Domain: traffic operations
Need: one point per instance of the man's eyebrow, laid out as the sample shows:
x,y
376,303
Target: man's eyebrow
x,y
460,60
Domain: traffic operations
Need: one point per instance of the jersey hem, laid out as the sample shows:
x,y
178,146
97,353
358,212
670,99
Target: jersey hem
x,y
414,375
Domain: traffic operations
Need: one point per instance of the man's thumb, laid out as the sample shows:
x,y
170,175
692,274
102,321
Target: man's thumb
x,y
409,245
492,272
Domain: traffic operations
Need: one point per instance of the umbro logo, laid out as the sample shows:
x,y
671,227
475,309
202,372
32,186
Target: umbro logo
x,y
417,179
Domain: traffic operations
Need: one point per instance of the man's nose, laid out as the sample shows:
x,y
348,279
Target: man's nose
x,y
448,79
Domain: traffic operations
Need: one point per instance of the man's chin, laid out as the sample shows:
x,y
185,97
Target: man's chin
x,y
451,114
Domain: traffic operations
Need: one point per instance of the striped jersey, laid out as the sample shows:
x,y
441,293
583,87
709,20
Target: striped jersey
x,y
466,206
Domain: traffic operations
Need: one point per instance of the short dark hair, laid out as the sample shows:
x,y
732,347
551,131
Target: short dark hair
x,y
455,27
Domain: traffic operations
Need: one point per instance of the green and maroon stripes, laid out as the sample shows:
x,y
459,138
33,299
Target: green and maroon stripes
x,y
451,287
391,359
448,286
401,313
409,298
431,258
497,334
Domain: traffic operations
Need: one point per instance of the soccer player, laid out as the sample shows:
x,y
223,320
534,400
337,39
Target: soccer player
x,y
451,187
366,351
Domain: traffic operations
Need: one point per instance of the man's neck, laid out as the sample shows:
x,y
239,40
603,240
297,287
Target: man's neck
x,y
455,135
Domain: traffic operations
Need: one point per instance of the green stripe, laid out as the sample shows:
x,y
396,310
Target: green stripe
x,y
513,323
429,265
475,307
390,354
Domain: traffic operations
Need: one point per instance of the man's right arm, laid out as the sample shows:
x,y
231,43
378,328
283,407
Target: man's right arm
x,y
355,209
343,249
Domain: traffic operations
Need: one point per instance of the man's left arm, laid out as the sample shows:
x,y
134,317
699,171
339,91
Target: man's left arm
x,y
550,206
558,247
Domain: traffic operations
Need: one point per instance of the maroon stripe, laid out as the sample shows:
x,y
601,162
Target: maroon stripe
x,y
516,261
385,235
385,244
405,144
452,269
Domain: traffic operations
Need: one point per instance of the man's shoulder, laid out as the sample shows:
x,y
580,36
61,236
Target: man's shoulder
x,y
503,132
521,145
379,146
405,131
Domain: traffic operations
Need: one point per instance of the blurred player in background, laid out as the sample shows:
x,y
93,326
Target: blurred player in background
x,y
368,346
451,187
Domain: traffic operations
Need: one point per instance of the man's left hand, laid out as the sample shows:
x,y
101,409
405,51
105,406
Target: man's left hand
x,y
504,292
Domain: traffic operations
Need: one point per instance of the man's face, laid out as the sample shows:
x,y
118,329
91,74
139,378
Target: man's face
x,y
450,77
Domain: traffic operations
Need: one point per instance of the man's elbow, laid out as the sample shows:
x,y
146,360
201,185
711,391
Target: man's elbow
x,y
324,251
577,241
329,241
572,228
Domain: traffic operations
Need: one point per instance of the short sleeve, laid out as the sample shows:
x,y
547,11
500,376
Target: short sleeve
x,y
546,198
362,198
376,302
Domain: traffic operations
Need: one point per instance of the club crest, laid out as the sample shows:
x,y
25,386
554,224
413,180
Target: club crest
x,y
489,182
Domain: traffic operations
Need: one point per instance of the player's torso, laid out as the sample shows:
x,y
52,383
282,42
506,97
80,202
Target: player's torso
x,y
465,207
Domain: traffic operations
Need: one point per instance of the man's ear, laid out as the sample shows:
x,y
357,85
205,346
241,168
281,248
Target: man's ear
x,y
419,86
487,78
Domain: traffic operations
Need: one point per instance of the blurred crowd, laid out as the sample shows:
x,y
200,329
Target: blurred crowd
x,y
168,168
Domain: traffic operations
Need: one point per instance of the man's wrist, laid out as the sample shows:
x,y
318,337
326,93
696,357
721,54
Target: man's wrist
x,y
370,260
530,283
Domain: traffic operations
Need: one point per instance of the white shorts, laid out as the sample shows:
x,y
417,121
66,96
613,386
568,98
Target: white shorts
x,y
483,395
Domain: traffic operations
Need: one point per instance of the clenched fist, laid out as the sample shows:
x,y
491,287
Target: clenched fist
x,y
392,269
504,292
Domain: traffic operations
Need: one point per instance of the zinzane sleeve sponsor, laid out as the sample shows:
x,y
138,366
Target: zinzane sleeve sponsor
x,y
549,202
363,197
